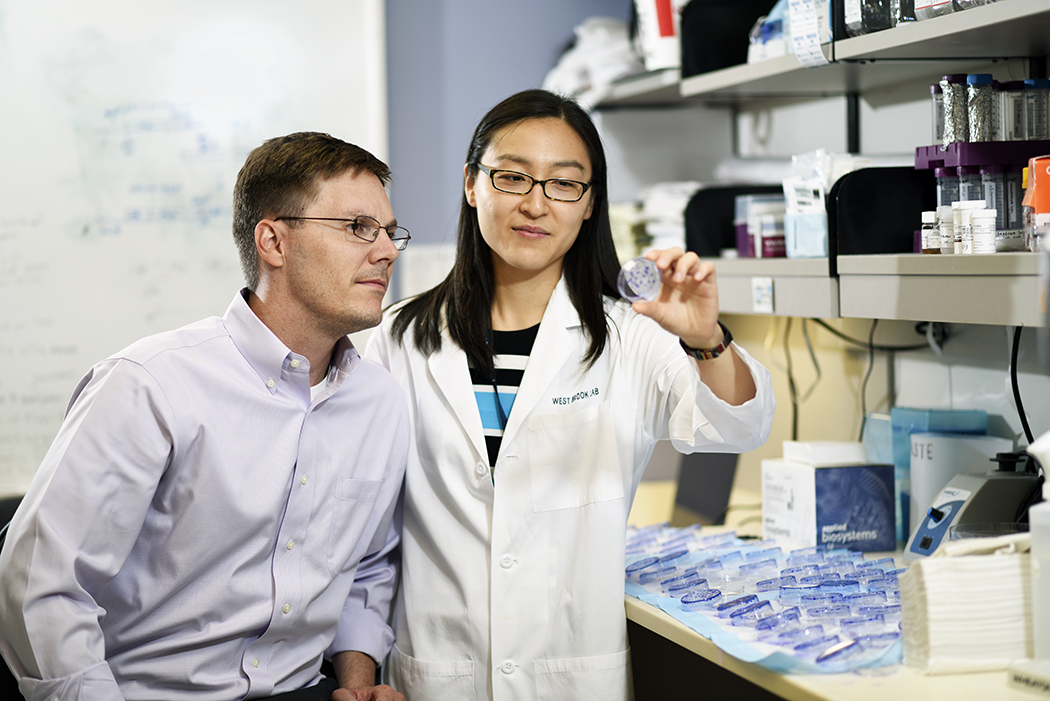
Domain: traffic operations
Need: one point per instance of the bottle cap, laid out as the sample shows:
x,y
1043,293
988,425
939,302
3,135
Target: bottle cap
x,y
1037,83
984,214
929,217
979,79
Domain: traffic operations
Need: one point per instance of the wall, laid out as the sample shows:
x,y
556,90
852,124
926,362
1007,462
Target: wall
x,y
124,126
448,62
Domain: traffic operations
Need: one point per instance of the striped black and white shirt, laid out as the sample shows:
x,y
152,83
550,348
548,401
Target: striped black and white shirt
x,y
511,350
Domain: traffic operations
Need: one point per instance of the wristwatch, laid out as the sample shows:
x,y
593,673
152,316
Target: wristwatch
x,y
709,353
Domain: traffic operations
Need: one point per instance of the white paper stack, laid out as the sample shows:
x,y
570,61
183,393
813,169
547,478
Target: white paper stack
x,y
663,208
968,607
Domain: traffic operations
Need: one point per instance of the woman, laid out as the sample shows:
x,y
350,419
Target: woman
x,y
536,396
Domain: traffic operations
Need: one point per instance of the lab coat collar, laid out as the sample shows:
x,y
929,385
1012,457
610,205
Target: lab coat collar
x,y
555,345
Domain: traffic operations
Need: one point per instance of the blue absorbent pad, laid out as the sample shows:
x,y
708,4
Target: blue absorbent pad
x,y
730,642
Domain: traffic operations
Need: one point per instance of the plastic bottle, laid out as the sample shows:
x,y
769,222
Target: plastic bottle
x,y
902,11
1011,237
1037,109
982,230
1011,111
946,223
927,9
956,120
931,234
993,186
947,186
1036,203
1039,529
937,112
982,107
969,183
961,219
867,16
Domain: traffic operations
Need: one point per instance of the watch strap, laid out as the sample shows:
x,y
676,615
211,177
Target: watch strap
x,y
709,353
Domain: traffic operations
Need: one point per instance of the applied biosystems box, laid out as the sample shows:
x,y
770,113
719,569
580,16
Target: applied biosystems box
x,y
840,506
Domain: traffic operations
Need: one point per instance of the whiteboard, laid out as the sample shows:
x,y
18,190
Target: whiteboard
x,y
122,129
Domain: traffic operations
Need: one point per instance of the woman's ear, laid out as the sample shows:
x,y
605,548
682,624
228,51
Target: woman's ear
x,y
469,181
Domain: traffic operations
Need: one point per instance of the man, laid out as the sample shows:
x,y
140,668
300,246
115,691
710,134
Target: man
x,y
218,510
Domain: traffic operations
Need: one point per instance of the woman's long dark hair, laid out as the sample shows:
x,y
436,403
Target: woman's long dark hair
x,y
465,296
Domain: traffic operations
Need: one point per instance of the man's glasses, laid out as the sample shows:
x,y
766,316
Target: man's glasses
x,y
364,228
515,183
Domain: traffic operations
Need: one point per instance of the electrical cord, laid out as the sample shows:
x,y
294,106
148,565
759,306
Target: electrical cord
x,y
940,334
792,388
1013,383
867,376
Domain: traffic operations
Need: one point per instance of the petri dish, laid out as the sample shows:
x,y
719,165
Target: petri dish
x,y
639,280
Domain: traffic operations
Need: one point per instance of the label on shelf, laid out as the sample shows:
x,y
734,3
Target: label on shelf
x,y
762,295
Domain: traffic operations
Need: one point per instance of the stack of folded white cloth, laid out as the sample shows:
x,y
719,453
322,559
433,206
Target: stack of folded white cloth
x,y
663,209
968,607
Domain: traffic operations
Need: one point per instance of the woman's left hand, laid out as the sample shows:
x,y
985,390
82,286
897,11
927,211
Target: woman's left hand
x,y
688,301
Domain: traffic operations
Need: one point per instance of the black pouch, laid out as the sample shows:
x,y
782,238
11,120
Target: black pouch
x,y
714,33
710,215
878,210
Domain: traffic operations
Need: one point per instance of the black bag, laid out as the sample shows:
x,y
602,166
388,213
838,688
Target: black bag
x,y
709,225
714,33
878,210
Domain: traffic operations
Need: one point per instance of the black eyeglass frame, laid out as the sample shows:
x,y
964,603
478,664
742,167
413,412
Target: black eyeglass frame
x,y
491,172
354,225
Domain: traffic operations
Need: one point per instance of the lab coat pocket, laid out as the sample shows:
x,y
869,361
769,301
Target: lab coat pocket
x,y
573,459
354,502
449,680
597,677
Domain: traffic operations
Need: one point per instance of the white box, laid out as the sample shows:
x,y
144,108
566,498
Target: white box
x,y
840,506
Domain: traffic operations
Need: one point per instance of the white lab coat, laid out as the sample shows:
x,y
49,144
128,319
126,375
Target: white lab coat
x,y
515,590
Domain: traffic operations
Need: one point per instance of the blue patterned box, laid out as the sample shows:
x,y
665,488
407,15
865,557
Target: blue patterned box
x,y
841,506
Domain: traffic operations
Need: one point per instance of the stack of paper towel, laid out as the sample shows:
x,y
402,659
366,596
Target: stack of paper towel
x,y
968,607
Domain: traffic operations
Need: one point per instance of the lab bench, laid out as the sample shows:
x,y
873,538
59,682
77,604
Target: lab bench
x,y
672,661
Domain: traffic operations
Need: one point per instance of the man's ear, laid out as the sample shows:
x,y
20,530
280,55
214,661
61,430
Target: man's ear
x,y
270,243
468,186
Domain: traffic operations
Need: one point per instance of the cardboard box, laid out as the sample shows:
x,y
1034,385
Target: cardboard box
x,y
847,506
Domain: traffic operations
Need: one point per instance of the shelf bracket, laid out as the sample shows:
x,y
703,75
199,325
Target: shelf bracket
x,y
852,122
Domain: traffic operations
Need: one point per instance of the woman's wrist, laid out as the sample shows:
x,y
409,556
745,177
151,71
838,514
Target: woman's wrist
x,y
709,352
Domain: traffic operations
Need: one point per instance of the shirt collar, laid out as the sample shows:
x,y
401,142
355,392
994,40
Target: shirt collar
x,y
267,355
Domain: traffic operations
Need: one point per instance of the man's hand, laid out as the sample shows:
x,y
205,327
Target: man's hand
x,y
371,693
356,673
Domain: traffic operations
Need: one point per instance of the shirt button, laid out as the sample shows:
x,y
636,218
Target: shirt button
x,y
303,480
270,383
255,662
286,608
294,363
481,469
507,667
506,562
291,544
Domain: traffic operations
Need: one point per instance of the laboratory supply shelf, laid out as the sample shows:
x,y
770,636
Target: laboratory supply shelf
x,y
899,682
1004,29
791,286
652,88
999,289
961,42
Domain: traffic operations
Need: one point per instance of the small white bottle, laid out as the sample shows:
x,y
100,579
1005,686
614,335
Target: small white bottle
x,y
931,233
1039,528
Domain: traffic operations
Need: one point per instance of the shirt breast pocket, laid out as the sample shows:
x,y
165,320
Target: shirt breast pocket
x,y
574,459
354,503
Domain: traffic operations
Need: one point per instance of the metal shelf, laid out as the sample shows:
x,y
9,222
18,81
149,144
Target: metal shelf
x,y
800,287
999,289
957,43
